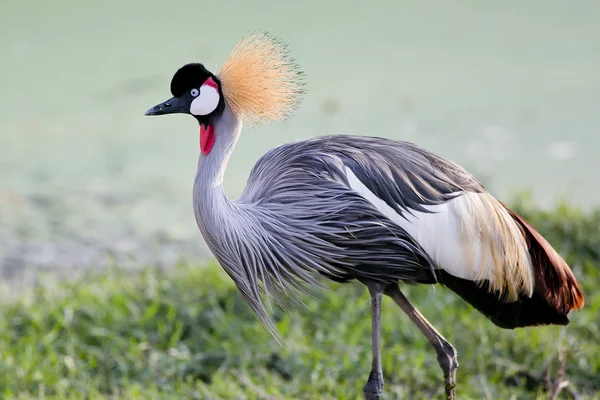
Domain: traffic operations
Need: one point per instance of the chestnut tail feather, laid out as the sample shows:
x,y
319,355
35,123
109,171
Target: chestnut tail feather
x,y
556,289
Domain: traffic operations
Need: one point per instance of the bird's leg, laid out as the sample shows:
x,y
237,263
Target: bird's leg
x,y
446,353
374,386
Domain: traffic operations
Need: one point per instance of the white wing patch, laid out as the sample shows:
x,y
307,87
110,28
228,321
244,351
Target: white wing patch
x,y
206,102
471,237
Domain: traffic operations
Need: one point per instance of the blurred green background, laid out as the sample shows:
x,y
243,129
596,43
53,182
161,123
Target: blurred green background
x,y
508,89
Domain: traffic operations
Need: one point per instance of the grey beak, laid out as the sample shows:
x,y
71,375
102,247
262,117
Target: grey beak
x,y
175,105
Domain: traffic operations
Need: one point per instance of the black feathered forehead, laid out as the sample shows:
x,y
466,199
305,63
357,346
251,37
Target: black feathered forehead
x,y
188,77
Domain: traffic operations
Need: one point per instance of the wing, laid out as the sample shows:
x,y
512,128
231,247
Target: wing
x,y
444,219
434,202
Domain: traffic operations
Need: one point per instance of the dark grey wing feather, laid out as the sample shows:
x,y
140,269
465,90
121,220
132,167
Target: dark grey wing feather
x,y
402,174
302,217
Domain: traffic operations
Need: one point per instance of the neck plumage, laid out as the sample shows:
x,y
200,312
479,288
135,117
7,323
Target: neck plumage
x,y
211,167
210,201
222,222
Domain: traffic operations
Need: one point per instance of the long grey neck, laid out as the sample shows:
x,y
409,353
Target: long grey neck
x,y
210,201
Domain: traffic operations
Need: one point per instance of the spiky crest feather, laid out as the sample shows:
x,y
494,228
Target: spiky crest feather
x,y
260,81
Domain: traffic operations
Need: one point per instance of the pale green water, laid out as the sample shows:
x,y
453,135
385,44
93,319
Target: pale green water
x,y
510,90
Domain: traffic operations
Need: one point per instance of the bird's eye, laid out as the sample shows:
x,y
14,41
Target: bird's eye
x,y
194,92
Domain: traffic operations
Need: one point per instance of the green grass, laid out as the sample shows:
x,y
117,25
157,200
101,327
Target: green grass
x,y
187,333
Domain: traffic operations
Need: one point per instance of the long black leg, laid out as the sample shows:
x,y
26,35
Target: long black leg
x,y
374,386
446,353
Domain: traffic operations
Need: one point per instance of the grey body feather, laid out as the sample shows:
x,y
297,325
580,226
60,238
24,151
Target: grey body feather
x,y
298,217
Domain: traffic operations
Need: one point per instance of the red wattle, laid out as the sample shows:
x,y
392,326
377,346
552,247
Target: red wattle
x,y
210,82
207,138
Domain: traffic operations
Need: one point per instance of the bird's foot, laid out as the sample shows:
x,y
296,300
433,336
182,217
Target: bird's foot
x,y
449,363
450,393
374,386
372,394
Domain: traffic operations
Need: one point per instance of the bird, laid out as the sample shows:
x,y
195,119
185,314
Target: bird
x,y
344,208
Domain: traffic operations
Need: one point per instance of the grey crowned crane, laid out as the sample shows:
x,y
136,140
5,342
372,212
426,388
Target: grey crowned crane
x,y
380,211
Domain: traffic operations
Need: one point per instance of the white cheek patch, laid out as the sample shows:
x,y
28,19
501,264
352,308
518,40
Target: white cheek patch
x,y
206,102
